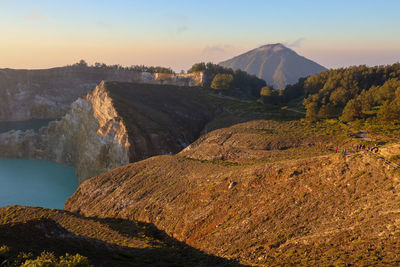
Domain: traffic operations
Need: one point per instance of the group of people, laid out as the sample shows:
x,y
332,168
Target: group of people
x,y
359,147
367,148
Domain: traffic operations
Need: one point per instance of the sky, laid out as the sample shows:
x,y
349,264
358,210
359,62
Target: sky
x,y
178,33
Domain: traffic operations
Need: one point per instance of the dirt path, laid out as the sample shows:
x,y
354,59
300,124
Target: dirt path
x,y
387,162
295,110
363,135
230,98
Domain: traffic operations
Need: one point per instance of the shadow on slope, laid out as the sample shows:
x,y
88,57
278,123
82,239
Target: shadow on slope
x,y
105,242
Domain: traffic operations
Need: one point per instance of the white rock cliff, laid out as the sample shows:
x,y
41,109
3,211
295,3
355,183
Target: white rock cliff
x,y
90,137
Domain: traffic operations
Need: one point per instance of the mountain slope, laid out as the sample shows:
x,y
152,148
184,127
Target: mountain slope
x,y
275,63
246,192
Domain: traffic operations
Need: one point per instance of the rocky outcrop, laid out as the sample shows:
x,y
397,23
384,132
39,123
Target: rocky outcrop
x,y
113,125
48,94
90,137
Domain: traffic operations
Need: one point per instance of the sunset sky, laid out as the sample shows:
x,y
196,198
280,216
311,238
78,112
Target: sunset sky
x,y
176,34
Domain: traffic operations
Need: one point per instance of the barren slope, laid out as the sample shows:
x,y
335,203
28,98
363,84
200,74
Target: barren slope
x,y
294,202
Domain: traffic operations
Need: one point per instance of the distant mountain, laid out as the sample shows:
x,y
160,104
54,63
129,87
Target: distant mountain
x,y
275,63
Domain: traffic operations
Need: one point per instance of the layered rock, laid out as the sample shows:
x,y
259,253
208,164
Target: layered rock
x,y
47,94
115,124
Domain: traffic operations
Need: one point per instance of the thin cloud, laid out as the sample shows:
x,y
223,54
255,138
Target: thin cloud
x,y
103,25
216,49
178,22
182,29
296,43
35,15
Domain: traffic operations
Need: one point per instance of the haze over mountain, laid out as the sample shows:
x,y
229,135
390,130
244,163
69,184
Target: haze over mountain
x,y
275,63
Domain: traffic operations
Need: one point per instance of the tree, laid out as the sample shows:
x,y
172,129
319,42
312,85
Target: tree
x,y
222,82
352,110
311,111
82,63
197,67
327,111
269,95
248,84
339,97
390,111
267,91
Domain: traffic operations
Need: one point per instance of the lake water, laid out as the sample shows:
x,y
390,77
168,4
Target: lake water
x,y
35,183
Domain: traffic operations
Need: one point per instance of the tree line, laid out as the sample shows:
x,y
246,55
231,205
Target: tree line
x,y
139,68
352,93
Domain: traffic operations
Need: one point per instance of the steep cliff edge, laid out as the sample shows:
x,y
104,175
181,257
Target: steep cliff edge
x,y
113,125
48,93
242,193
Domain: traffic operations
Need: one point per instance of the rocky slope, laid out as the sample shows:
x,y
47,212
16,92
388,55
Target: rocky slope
x,y
48,94
275,63
293,202
28,231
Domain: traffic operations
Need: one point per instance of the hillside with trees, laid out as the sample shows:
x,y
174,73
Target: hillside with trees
x,y
237,83
354,93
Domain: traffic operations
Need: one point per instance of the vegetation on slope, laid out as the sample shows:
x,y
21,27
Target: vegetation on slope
x,y
45,259
368,93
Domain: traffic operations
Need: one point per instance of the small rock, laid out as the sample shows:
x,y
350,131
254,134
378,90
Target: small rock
x,y
232,184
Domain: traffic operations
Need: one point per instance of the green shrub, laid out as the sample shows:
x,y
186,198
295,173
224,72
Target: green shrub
x,y
47,259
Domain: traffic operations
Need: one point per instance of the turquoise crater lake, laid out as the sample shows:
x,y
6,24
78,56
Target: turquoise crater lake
x,y
35,183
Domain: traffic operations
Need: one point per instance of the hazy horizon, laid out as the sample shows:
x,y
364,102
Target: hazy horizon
x,y
44,34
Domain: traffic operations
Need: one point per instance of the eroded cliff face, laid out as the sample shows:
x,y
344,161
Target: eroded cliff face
x,y
91,137
113,125
48,94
